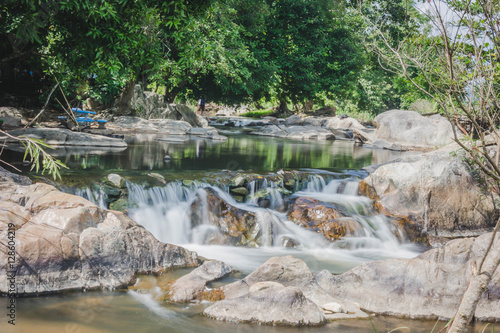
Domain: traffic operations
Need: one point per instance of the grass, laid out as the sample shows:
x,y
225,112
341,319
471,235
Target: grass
x,y
258,113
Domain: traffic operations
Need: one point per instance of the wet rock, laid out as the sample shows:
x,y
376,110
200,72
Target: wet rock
x,y
325,218
271,279
437,191
116,180
240,190
239,181
64,137
159,178
240,227
192,285
64,243
428,286
120,205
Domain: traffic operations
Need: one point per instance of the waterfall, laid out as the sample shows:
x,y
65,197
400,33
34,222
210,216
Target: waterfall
x,y
97,197
180,214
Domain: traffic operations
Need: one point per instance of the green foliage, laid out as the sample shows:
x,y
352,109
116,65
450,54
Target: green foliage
x,y
259,113
35,151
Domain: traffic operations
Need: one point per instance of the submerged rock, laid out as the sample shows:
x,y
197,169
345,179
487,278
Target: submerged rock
x,y
282,291
64,242
428,286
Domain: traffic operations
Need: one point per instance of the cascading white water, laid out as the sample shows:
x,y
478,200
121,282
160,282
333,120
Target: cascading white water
x,y
96,197
166,213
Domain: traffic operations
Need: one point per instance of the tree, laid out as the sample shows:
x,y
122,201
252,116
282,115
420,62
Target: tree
x,y
457,59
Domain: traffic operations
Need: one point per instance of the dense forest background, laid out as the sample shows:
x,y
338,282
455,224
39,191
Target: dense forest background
x,y
292,54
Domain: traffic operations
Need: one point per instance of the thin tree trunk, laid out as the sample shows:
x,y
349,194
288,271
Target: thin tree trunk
x,y
44,107
478,283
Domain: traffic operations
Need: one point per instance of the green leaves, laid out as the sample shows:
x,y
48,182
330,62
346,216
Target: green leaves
x,y
38,157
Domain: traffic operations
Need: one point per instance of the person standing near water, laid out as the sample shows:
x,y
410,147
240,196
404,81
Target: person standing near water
x,y
201,105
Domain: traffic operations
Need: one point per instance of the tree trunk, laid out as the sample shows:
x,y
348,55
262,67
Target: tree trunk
x,y
283,108
477,285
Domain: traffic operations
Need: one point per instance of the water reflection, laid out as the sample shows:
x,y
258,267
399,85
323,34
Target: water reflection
x,y
249,153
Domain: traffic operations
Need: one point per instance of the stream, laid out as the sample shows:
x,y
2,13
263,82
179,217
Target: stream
x,y
333,171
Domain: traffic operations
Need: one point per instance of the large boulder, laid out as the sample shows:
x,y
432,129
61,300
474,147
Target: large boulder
x,y
402,130
64,137
428,286
192,285
278,284
271,304
63,242
145,103
237,226
437,190
180,112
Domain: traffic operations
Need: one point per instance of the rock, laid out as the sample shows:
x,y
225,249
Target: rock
x,y
120,205
9,177
435,190
293,121
266,283
159,178
145,103
295,132
239,226
336,123
239,181
272,305
116,180
11,116
333,308
412,129
428,286
192,285
180,112
207,133
325,218
127,124
64,242
313,121
64,137
240,190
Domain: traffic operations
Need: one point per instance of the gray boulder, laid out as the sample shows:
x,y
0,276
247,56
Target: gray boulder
x,y
336,123
428,286
64,137
289,272
191,285
11,116
271,304
207,133
293,121
436,190
409,128
141,125
64,242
